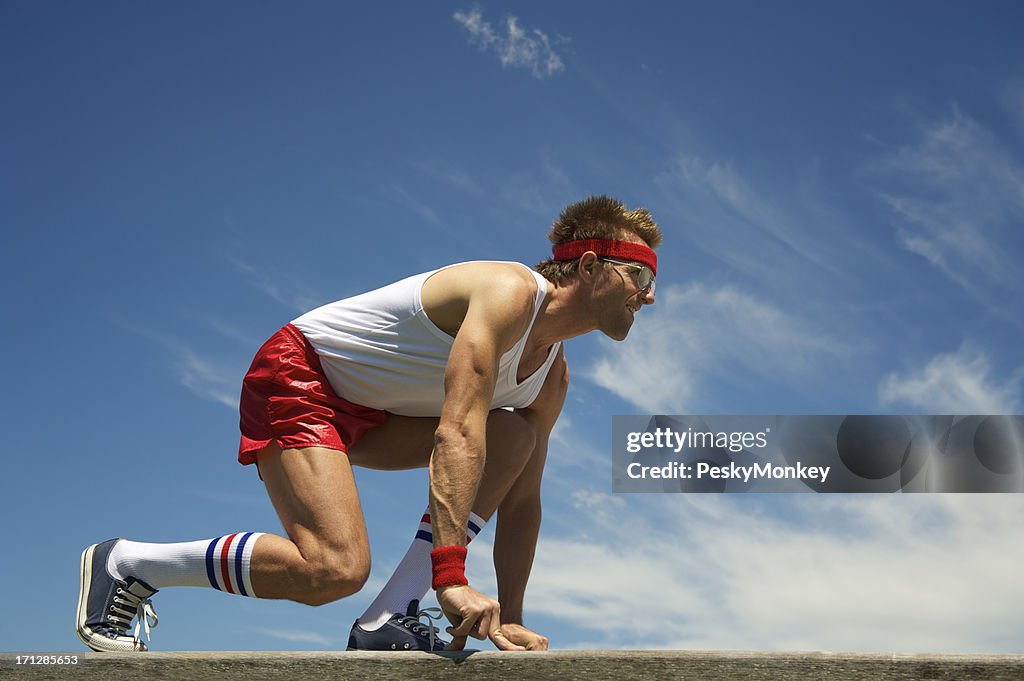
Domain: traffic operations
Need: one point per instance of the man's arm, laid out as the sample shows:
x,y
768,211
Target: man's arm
x,y
498,312
519,514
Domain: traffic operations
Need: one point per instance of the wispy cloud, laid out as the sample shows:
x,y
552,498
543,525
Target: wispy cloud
x,y
399,195
517,47
702,332
721,207
957,198
575,464
961,382
452,176
298,636
280,290
206,378
222,327
439,220
541,187
1012,98
541,191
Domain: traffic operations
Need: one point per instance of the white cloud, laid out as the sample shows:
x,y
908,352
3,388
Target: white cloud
x,y
928,249
842,573
1012,98
721,208
542,187
858,573
456,178
568,450
542,190
222,326
298,636
399,195
701,332
518,47
281,290
955,383
427,215
957,195
206,378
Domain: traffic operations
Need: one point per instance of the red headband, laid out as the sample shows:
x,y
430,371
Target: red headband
x,y
609,248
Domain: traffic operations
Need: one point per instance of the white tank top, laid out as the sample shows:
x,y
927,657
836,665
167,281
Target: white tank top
x,y
379,349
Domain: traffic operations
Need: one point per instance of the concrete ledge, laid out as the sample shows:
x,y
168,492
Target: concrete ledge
x,y
595,665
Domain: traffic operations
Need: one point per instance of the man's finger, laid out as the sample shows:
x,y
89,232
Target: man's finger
x,y
503,643
458,642
483,626
465,627
453,617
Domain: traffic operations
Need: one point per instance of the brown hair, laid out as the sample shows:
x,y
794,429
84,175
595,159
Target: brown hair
x,y
596,217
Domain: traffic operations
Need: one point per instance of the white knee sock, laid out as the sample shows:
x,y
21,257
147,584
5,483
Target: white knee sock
x,y
221,563
411,579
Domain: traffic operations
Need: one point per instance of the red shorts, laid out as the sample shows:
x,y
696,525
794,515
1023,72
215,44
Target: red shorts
x,y
287,399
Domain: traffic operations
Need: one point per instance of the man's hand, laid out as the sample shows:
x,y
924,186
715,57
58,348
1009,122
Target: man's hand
x,y
520,635
473,614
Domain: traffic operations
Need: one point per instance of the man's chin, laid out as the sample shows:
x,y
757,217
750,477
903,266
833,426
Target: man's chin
x,y
617,334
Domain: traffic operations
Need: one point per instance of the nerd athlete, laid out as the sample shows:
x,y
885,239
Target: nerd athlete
x,y
460,370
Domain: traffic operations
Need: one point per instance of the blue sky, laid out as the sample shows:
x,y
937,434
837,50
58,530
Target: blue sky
x,y
841,187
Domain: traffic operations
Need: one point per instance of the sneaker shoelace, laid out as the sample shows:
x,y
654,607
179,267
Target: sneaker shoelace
x,y
127,606
424,629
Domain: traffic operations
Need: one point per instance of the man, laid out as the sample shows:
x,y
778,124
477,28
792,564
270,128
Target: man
x,y
460,370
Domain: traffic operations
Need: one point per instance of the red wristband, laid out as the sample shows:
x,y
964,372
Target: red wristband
x,y
449,564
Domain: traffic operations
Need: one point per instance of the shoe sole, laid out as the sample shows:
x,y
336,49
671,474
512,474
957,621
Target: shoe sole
x,y
388,650
81,615
95,642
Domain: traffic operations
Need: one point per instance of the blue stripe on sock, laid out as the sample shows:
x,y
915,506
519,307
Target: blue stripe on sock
x,y
426,536
238,562
210,572
474,528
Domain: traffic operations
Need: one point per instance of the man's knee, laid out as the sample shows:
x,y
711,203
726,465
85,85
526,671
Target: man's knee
x,y
335,577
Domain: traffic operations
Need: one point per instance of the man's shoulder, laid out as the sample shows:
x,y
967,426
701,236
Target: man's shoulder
x,y
493,294
509,283
489,279
505,269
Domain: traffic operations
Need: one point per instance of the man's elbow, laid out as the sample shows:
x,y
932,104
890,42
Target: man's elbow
x,y
459,438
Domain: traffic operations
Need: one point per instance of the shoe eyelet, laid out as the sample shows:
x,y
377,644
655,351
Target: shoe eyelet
x,y
394,647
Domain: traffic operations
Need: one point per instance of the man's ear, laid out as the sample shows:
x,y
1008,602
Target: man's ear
x,y
588,263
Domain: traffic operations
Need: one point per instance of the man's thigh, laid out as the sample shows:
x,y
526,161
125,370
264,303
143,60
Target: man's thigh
x,y
405,442
314,493
402,442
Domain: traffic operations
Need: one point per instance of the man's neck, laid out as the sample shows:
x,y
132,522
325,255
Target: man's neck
x,y
561,316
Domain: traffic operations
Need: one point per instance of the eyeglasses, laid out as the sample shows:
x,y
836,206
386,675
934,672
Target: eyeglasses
x,y
644,277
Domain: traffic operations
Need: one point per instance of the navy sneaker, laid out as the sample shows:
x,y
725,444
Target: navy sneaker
x,y
401,632
107,606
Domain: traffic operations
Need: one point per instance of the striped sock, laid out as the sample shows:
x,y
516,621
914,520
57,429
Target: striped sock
x,y
411,579
221,563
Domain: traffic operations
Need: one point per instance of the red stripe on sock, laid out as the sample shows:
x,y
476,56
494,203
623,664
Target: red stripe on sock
x,y
425,518
224,563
